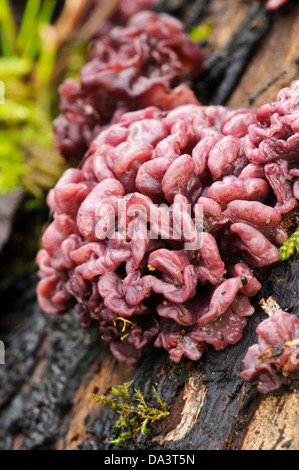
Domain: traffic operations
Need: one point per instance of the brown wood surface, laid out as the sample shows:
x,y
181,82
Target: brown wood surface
x,y
276,59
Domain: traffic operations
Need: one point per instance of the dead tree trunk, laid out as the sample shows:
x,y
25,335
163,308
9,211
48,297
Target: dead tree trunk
x,y
52,366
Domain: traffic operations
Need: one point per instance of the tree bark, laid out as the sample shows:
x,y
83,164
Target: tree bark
x,y
53,367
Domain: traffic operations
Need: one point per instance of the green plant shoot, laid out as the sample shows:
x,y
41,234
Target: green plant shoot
x,y
27,157
134,412
290,246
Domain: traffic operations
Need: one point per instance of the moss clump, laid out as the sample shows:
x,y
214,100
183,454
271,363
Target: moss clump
x,y
290,246
134,413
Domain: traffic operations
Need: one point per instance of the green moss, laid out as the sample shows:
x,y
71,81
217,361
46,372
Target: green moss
x,y
134,413
11,162
290,246
200,32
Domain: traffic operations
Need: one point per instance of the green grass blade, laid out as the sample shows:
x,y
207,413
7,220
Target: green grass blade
x,y
46,49
28,37
7,28
37,15
46,11
45,64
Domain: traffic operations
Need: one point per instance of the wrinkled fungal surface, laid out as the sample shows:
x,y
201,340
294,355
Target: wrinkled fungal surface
x,y
274,360
273,143
272,4
148,61
155,240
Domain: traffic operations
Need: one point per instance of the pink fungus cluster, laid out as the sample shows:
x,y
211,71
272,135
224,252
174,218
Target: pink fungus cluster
x,y
155,239
272,4
274,360
147,61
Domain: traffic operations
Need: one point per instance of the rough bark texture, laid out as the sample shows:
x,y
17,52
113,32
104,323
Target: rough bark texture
x,y
52,366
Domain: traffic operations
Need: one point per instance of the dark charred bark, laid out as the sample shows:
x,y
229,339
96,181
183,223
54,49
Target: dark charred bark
x,y
224,68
